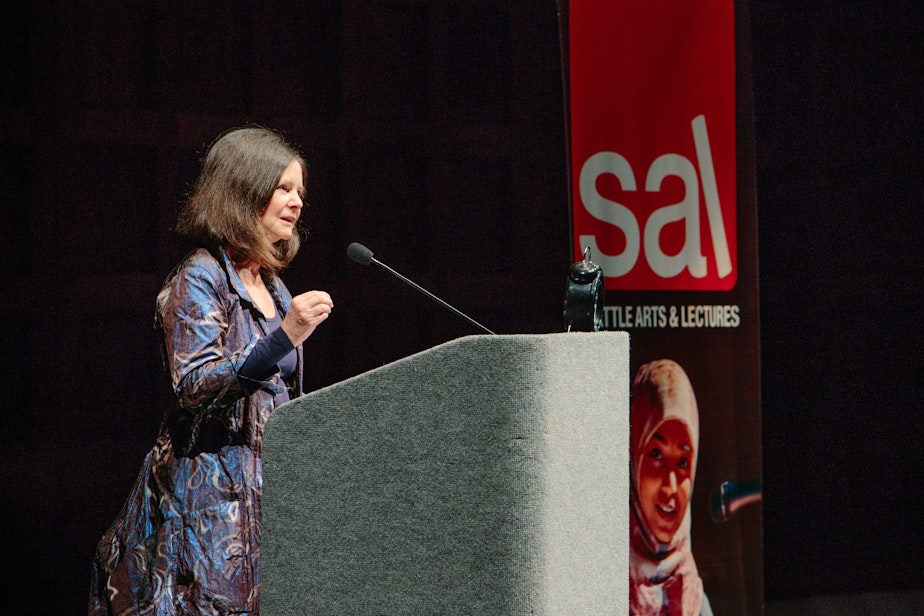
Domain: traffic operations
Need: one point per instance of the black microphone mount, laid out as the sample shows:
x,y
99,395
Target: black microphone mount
x,y
731,496
363,256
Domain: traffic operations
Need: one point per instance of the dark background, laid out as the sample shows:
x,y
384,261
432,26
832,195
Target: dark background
x,y
436,136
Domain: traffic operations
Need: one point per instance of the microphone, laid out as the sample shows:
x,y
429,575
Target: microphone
x,y
363,256
731,496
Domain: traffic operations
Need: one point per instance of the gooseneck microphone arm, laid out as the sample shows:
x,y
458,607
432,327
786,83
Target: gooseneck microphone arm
x,y
363,256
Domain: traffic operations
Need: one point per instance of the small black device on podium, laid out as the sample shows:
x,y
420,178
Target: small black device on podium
x,y
584,298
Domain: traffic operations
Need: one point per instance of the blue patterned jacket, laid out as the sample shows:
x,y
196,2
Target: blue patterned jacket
x,y
208,325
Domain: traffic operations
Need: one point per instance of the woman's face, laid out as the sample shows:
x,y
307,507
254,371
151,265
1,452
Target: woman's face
x,y
285,206
666,479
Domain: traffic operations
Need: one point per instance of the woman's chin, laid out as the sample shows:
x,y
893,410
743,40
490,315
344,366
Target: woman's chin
x,y
665,527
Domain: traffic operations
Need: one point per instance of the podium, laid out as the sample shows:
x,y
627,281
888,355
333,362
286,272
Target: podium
x,y
487,475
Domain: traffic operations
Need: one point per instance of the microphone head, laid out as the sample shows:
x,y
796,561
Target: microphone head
x,y
359,253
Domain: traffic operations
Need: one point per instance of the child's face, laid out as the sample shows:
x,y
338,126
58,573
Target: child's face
x,y
666,479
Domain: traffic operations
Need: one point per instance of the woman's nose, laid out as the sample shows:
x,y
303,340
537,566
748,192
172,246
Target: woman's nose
x,y
672,482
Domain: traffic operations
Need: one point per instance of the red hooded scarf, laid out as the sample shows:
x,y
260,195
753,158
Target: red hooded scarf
x,y
663,578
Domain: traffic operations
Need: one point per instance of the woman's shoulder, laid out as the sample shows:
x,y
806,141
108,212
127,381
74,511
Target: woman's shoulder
x,y
198,262
199,269
201,257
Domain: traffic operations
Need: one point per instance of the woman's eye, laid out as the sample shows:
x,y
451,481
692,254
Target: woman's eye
x,y
655,454
683,463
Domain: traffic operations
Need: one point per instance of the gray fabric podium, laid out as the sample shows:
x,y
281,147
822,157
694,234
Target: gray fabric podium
x,y
487,475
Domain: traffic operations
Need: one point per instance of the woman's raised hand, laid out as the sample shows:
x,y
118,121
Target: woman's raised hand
x,y
306,312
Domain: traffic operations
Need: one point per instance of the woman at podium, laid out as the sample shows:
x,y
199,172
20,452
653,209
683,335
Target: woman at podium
x,y
187,540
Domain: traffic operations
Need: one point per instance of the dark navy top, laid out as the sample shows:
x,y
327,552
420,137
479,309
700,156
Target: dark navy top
x,y
274,353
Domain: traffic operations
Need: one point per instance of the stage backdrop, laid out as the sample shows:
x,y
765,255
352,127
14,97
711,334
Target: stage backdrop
x,y
663,193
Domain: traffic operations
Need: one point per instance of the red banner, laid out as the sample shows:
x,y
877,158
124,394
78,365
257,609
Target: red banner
x,y
662,192
655,200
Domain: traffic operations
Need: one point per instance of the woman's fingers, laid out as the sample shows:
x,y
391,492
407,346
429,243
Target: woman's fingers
x,y
306,312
